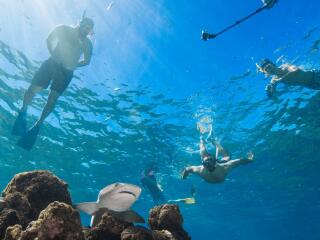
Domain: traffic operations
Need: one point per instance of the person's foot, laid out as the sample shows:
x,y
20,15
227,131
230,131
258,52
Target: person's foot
x,y
20,125
185,174
28,140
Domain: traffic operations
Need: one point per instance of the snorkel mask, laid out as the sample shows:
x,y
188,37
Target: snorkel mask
x,y
209,162
86,25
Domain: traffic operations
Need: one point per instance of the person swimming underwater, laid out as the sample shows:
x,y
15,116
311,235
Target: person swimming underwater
x,y
213,170
149,181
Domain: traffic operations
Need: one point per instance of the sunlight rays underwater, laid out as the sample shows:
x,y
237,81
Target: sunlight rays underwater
x,y
133,106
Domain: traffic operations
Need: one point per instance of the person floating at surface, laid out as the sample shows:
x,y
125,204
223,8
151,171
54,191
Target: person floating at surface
x,y
213,170
289,75
149,181
66,44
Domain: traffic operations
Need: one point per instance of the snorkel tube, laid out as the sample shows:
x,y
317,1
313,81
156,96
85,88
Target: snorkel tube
x,y
267,4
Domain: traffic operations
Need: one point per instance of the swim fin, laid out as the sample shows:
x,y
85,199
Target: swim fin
x,y
20,125
28,140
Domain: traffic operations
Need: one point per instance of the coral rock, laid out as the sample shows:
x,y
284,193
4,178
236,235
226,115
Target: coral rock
x,y
163,235
109,228
168,217
8,217
40,188
13,232
57,221
137,233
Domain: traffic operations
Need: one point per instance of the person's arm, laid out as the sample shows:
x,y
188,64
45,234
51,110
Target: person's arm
x,y
191,169
271,87
87,54
237,162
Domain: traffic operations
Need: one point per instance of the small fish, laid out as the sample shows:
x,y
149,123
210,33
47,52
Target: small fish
x,y
115,199
310,33
110,6
116,89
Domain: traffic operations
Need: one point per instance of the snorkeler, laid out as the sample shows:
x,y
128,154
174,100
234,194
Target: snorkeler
x,y
214,170
149,181
289,75
66,44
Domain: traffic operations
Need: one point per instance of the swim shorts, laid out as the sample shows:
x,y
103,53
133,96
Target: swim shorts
x,y
51,70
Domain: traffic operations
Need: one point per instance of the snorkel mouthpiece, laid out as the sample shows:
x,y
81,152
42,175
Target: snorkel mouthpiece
x,y
205,35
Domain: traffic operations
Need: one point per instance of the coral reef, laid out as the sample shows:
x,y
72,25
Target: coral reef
x,y
37,205
168,217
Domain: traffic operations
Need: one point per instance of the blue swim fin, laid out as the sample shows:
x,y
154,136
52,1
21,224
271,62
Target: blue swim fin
x,y
20,125
29,139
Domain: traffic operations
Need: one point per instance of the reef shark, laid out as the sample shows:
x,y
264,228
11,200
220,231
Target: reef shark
x,y
115,199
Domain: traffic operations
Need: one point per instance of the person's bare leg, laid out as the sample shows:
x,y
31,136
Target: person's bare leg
x,y
48,108
221,150
28,96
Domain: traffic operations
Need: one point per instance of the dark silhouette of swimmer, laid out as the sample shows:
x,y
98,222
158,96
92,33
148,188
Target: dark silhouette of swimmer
x,y
149,181
66,44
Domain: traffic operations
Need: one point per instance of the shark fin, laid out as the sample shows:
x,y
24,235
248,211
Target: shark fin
x,y
88,207
129,216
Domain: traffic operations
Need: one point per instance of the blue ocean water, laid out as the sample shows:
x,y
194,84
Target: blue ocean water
x,y
150,83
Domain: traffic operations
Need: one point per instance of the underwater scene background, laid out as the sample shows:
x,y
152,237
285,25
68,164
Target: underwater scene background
x,y
150,83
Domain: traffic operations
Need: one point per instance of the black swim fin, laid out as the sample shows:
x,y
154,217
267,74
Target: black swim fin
x,y
29,139
20,125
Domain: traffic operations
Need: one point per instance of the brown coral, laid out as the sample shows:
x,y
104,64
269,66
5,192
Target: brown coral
x,y
168,217
137,233
40,188
57,221
108,228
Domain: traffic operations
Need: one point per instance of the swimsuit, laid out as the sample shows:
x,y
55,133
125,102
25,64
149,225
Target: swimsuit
x,y
51,70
